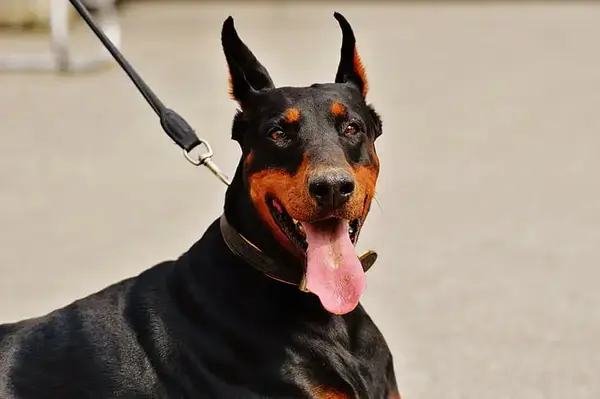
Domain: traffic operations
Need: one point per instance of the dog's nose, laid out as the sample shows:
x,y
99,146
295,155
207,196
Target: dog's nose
x,y
331,190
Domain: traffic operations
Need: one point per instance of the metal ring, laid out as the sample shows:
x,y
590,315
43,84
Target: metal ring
x,y
203,157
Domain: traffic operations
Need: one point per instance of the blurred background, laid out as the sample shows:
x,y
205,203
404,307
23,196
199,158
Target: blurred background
x,y
489,200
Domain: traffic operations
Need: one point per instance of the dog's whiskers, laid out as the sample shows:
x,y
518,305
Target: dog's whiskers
x,y
375,197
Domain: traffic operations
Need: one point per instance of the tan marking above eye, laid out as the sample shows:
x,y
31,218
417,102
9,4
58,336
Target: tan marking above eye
x,y
292,115
337,108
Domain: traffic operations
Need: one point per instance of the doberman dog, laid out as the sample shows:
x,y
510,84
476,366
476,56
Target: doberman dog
x,y
266,303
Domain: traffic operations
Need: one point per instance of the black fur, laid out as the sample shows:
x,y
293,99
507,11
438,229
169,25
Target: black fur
x,y
208,325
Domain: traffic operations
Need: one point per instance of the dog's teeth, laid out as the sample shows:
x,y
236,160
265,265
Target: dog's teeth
x,y
300,228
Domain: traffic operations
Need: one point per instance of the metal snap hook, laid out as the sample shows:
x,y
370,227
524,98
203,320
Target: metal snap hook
x,y
204,159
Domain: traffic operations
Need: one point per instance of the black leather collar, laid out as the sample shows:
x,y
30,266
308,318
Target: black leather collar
x,y
242,247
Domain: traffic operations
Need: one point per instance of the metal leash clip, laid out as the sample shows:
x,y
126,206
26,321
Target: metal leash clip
x,y
205,159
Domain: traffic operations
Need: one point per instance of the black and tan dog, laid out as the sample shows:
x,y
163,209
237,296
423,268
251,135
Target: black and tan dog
x,y
266,303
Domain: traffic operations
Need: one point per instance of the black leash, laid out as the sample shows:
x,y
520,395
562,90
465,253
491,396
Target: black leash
x,y
172,123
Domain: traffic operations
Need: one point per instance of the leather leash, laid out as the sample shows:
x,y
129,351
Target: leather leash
x,y
172,123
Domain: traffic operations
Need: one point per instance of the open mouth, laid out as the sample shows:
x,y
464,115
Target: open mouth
x,y
294,230
333,271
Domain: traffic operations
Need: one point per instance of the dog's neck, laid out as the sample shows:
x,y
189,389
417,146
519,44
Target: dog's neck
x,y
243,217
209,276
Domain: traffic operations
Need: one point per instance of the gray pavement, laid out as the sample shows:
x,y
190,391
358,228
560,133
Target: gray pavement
x,y
489,219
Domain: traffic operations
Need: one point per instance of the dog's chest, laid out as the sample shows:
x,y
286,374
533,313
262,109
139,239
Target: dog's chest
x,y
344,361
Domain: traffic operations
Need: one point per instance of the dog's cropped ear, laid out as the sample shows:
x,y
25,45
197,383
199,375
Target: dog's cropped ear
x,y
246,74
351,68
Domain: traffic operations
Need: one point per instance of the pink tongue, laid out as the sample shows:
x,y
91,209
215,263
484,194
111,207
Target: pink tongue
x,y
333,272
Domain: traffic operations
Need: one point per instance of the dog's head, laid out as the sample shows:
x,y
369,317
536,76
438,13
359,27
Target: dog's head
x,y
309,162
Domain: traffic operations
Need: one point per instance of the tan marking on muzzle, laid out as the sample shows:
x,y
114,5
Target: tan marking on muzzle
x,y
365,183
290,190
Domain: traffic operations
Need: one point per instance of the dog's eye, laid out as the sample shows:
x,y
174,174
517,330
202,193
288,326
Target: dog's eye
x,y
351,130
276,134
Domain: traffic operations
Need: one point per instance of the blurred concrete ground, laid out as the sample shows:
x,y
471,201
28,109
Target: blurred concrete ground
x,y
488,225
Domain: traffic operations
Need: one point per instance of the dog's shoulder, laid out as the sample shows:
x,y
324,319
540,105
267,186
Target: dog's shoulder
x,y
88,346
